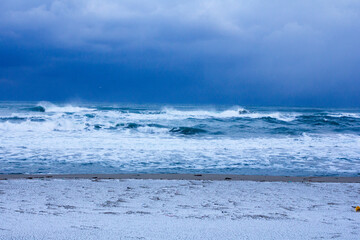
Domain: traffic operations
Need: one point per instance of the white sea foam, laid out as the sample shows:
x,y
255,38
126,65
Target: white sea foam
x,y
344,114
286,117
230,113
166,113
176,114
137,150
176,139
234,112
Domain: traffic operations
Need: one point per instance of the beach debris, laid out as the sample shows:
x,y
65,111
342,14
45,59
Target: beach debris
x,y
357,209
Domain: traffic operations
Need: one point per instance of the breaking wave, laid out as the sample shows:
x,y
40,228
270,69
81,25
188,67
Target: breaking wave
x,y
47,137
50,107
37,109
181,120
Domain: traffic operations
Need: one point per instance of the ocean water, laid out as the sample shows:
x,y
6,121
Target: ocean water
x,y
122,138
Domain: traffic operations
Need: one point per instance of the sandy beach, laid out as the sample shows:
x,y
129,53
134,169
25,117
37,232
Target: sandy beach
x,y
177,207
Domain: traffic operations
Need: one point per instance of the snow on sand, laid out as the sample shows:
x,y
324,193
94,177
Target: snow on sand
x,y
177,209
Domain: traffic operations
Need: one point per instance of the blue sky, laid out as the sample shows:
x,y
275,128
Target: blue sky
x,y
304,53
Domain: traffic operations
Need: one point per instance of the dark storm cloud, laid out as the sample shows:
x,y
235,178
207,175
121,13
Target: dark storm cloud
x,y
238,52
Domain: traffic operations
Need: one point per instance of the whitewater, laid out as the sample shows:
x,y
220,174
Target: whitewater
x,y
44,137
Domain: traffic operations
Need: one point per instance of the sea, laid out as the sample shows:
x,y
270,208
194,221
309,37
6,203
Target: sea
x,y
66,138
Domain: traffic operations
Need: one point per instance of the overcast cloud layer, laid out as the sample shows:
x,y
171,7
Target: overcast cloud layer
x,y
193,51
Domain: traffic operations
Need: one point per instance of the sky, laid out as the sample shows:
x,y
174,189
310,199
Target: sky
x,y
279,52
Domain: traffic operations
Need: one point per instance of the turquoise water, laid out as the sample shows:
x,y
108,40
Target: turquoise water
x,y
123,138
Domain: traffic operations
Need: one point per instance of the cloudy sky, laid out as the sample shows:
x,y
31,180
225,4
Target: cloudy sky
x,y
280,52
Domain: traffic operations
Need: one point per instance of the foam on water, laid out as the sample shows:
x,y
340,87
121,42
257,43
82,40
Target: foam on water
x,y
203,114
102,139
344,114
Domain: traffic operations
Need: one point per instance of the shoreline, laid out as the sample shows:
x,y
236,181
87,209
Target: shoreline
x,y
211,177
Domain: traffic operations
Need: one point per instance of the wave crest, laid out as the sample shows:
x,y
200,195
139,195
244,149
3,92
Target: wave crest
x,y
203,114
50,107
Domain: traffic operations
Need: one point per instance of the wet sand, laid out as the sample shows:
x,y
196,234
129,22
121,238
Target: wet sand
x,y
217,177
